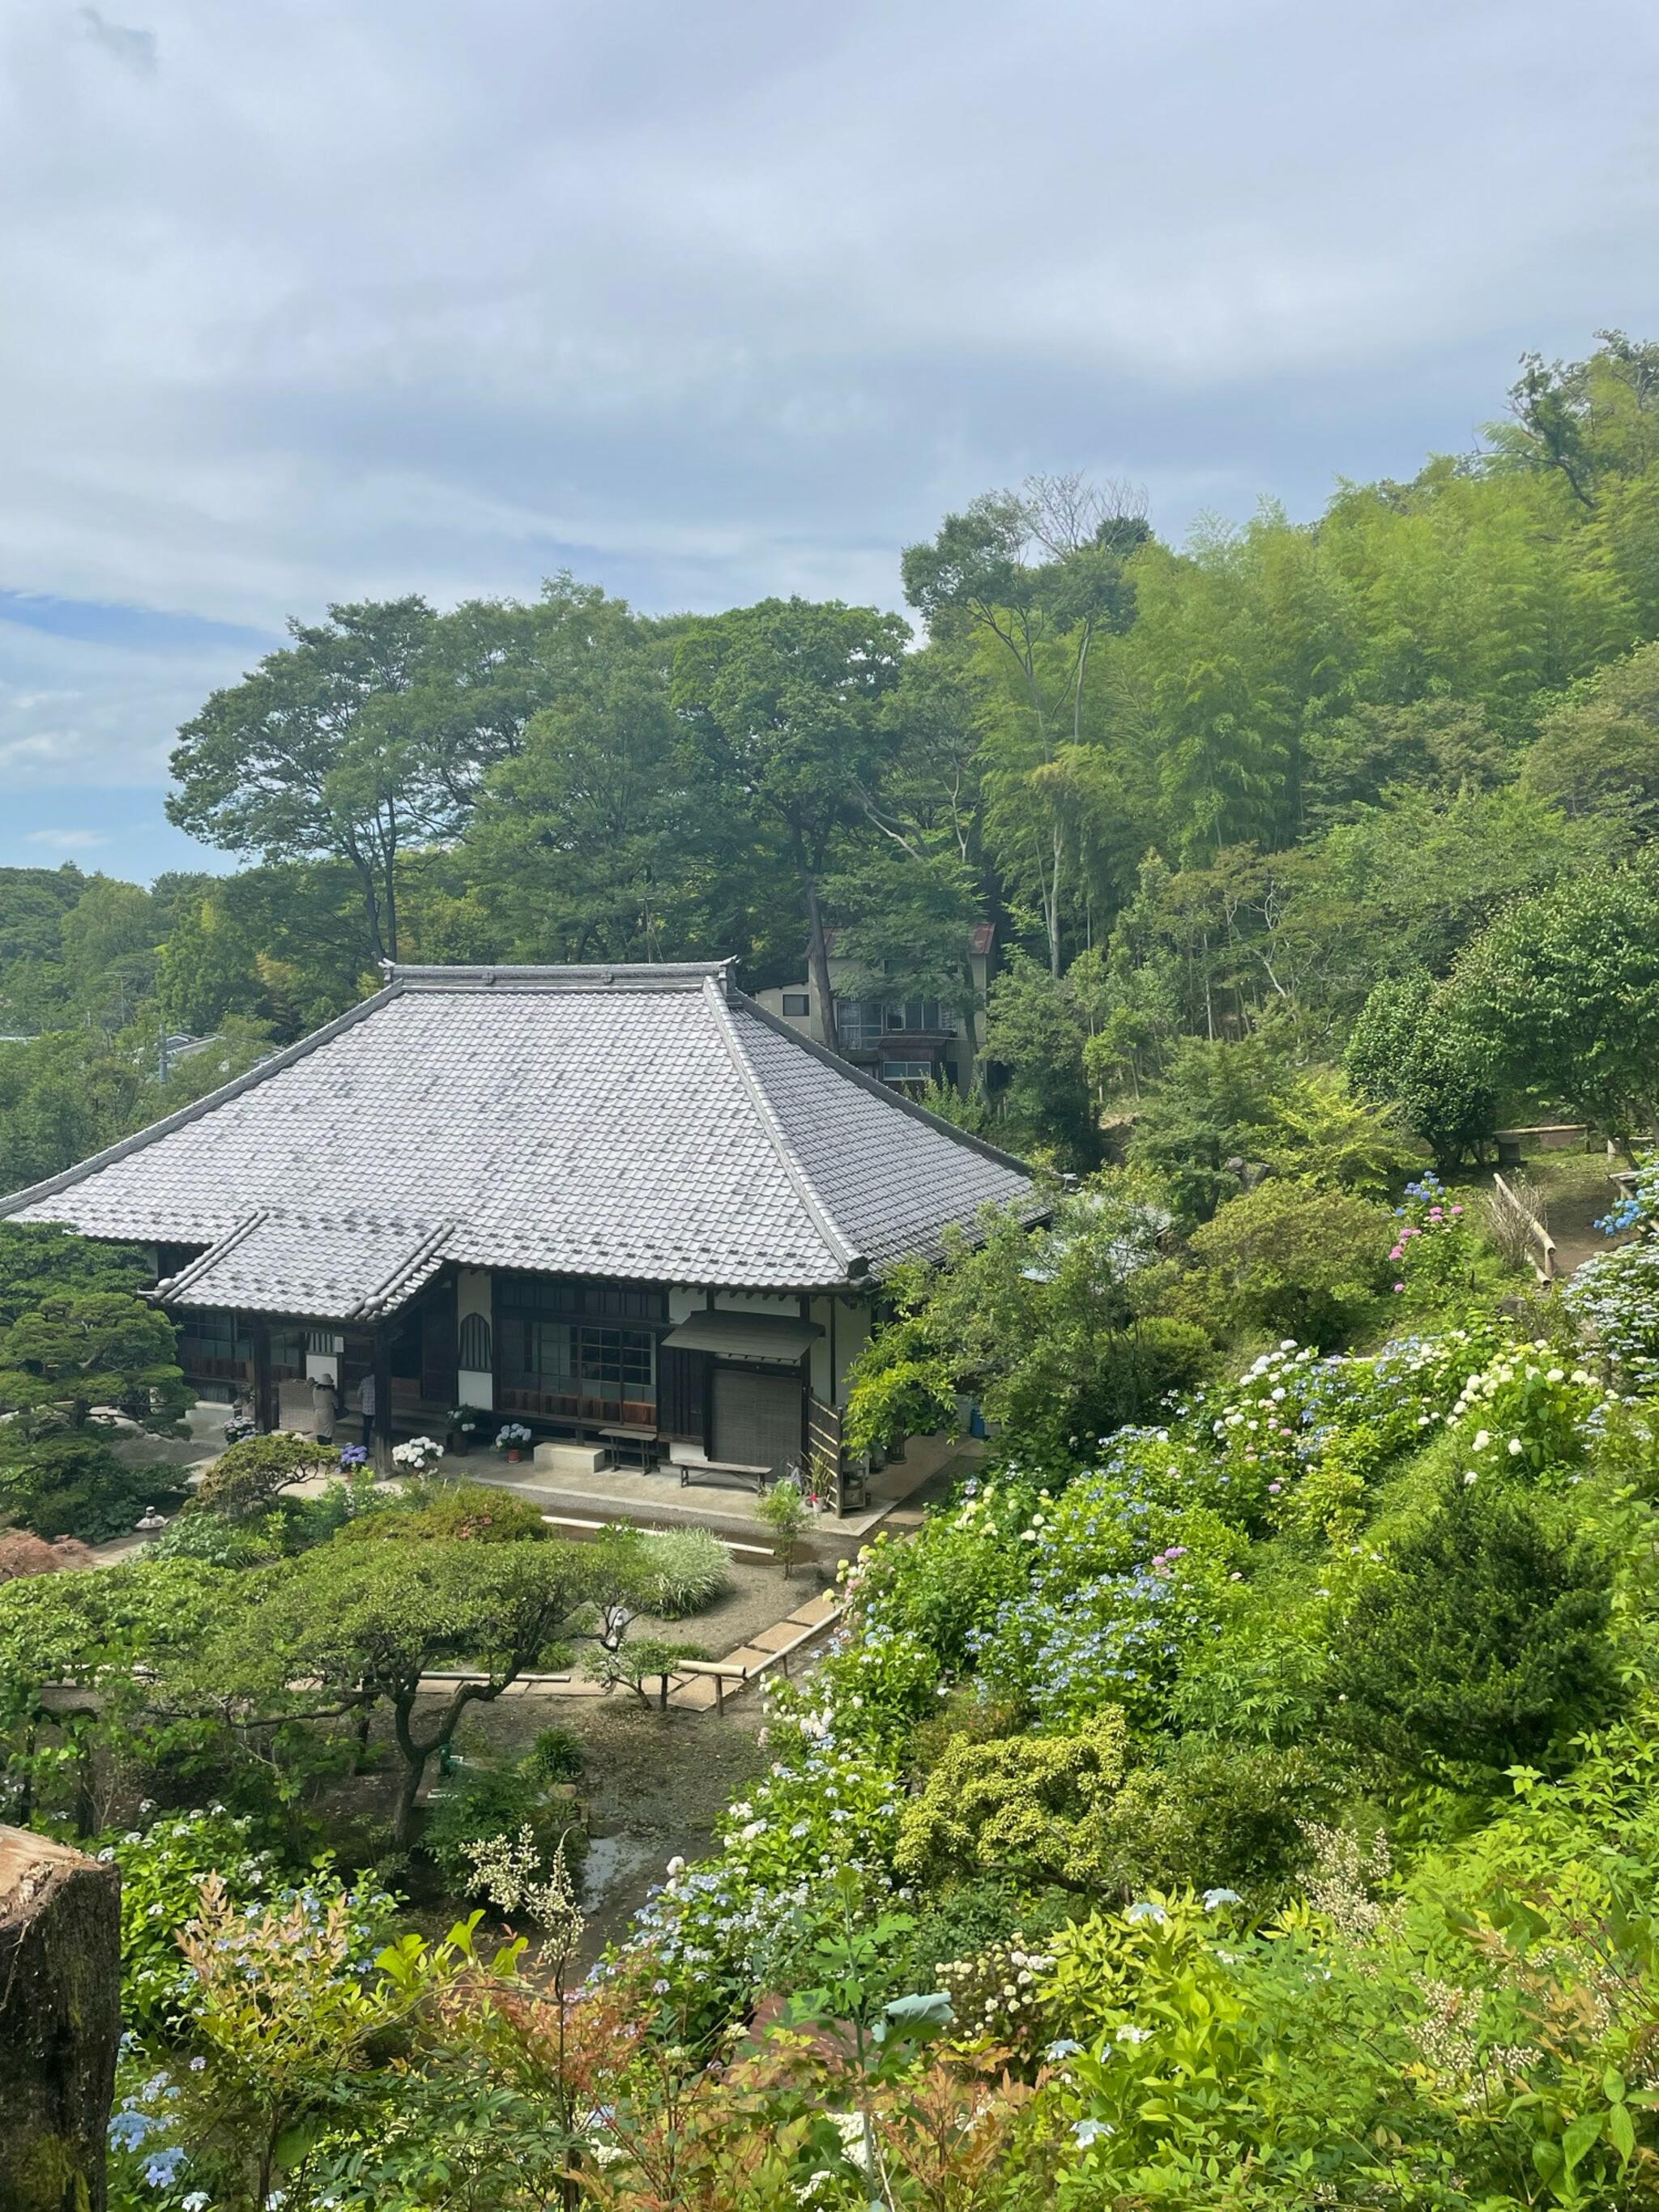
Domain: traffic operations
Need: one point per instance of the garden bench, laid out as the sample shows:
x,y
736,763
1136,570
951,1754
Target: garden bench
x,y
626,1437
696,1465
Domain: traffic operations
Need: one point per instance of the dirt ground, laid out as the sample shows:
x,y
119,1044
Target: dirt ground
x,y
653,1786
758,1596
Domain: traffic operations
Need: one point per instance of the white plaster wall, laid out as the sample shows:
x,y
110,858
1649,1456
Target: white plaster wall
x,y
852,1334
473,1293
682,1304
473,1388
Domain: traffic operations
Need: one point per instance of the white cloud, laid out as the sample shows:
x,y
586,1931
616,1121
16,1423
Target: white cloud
x,y
74,711
66,841
707,302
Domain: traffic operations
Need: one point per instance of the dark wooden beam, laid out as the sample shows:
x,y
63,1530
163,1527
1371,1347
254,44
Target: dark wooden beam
x,y
265,1409
381,1369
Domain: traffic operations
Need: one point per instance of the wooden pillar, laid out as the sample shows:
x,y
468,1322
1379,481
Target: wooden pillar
x,y
264,1393
60,2020
381,1371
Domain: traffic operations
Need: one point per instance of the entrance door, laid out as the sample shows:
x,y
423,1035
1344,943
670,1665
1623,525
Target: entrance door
x,y
758,1418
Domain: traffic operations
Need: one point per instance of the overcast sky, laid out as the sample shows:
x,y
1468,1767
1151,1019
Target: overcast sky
x,y
304,299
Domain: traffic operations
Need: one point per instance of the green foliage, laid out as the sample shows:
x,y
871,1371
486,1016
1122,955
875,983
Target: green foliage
x,y
1035,1031
477,1802
1295,1260
684,1571
76,1349
163,1865
783,1510
1408,1049
73,1484
556,1755
247,1476
435,1511
346,1627
1480,1644
1036,1808
1043,1326
1563,992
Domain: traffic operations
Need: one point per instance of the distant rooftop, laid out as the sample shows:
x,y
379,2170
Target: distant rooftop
x,y
635,1122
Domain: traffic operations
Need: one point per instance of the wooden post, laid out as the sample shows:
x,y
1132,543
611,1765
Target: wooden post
x,y
60,2021
265,1396
720,1694
380,1356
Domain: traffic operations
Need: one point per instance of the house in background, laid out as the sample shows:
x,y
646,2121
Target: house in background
x,y
620,1198
906,1043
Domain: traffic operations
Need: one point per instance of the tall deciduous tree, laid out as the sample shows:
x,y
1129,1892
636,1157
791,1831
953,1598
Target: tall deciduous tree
x,y
1563,989
780,707
318,753
1036,576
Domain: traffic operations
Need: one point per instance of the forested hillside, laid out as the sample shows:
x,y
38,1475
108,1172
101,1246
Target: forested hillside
x,y
1205,791
1228,1778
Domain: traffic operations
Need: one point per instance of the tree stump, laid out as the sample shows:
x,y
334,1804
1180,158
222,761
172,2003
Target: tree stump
x,y
60,2021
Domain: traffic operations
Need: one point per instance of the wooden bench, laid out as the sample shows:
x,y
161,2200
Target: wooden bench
x,y
696,1465
625,1437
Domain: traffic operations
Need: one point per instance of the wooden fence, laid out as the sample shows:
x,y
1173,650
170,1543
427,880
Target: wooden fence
x,y
826,1458
1512,1216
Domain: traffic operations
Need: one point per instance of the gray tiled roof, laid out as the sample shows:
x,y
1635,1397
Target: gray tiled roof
x,y
642,1123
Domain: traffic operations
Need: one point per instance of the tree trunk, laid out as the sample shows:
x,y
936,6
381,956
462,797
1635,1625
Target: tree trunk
x,y
415,1757
391,886
817,952
60,2021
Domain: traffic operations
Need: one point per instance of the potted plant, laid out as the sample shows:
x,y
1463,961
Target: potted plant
x,y
511,1438
416,1456
461,1424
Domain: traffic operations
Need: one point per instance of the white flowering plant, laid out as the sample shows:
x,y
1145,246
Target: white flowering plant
x,y
417,1455
1526,1413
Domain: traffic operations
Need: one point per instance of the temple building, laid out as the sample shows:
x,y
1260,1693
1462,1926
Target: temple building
x,y
627,1202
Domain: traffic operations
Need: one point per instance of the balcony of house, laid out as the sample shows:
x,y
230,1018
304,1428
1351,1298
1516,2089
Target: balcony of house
x,y
907,1044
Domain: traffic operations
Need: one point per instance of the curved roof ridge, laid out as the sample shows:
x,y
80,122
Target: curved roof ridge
x,y
597,976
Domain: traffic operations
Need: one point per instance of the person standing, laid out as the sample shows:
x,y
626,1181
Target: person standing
x,y
366,1406
324,1408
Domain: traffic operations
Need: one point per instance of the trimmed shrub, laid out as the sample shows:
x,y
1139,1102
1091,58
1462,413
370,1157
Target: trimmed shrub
x,y
1482,1645
247,1476
73,1484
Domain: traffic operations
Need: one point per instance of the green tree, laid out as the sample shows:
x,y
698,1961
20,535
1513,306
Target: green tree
x,y
781,703
349,1626
1053,1329
1598,753
1563,992
318,753
1295,1260
1409,1049
1482,1644
1036,1034
1028,581
80,1348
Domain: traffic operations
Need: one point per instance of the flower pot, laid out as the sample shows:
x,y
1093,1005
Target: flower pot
x,y
514,1455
